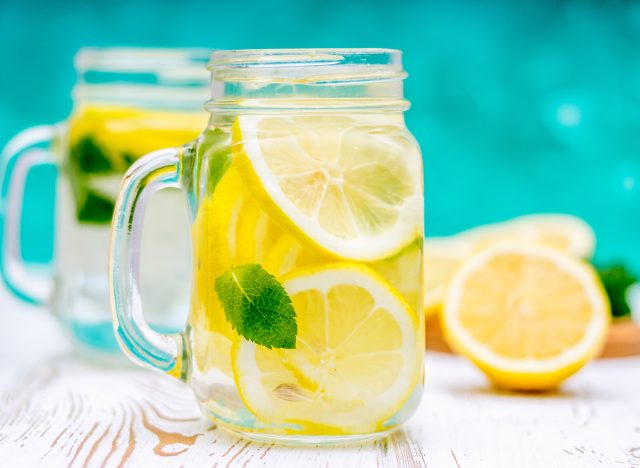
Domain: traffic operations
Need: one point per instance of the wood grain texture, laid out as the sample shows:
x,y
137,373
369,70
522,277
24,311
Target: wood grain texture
x,y
71,414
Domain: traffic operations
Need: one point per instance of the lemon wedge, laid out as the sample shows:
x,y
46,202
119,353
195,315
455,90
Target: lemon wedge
x,y
358,355
528,316
348,186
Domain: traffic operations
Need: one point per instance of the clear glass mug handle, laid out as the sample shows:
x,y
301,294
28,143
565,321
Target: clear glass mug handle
x,y
155,171
27,149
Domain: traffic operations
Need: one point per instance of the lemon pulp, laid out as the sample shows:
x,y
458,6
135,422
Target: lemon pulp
x,y
356,361
529,316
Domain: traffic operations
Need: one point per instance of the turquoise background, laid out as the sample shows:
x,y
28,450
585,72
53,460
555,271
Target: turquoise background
x,y
519,107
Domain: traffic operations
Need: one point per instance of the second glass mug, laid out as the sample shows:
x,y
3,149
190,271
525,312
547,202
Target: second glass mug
x,y
306,197
127,101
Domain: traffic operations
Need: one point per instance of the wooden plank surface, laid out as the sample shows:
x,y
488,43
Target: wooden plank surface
x,y
68,413
58,411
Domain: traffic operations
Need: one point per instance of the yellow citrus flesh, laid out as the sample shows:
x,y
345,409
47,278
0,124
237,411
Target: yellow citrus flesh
x,y
231,230
564,232
358,355
528,316
348,186
443,255
404,272
134,131
213,245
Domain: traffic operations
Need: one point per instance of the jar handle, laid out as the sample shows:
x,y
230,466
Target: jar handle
x,y
29,148
155,171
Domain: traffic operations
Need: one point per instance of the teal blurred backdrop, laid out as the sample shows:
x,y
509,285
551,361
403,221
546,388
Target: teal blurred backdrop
x,y
520,107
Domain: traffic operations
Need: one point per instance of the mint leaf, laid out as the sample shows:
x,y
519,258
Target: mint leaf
x,y
128,159
257,306
90,157
616,279
215,146
95,208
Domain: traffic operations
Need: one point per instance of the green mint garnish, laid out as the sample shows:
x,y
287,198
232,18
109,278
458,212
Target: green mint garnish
x,y
257,306
215,146
95,208
128,159
90,157
616,279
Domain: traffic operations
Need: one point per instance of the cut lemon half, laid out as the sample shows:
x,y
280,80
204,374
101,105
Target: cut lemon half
x,y
565,232
443,255
527,315
349,186
358,355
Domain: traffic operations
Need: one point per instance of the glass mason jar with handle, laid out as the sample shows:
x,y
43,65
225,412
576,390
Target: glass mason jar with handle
x,y
306,201
126,103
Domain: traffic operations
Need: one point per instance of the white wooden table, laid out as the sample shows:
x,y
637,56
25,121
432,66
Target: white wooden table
x,y
58,411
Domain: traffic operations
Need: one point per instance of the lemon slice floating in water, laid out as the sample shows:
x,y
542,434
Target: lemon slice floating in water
x,y
358,355
349,186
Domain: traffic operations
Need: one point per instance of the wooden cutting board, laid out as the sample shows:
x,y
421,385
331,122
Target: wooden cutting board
x,y
623,339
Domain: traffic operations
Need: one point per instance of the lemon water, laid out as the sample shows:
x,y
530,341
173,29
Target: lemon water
x,y
324,212
102,141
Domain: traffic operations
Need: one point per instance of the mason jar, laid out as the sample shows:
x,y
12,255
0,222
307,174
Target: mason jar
x,y
126,102
305,193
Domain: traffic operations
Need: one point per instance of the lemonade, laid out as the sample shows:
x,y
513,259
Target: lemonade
x,y
126,103
100,144
306,200
331,206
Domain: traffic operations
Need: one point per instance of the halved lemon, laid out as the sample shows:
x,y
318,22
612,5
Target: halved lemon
x,y
565,232
528,316
358,355
443,255
350,186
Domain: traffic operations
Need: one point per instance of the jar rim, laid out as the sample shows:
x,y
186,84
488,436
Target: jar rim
x,y
275,58
183,62
149,77
332,67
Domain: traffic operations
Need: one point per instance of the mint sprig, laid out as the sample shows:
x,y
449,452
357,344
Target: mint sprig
x,y
90,157
215,148
257,306
616,279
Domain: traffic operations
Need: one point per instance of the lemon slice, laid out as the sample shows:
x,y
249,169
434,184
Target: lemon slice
x,y
214,243
527,315
130,132
358,355
565,232
231,229
403,271
349,186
